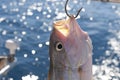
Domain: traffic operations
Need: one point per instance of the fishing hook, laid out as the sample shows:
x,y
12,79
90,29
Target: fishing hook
x,y
68,13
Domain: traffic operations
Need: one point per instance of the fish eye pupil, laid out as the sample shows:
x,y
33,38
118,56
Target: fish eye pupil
x,y
59,46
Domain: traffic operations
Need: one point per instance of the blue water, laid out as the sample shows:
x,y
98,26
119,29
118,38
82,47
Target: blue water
x,y
30,23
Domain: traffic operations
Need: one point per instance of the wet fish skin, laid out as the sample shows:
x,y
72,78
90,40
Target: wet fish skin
x,y
74,60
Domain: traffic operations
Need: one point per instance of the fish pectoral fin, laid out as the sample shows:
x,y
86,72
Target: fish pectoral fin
x,y
89,42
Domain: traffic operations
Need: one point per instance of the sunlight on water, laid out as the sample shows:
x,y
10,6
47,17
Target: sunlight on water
x,y
4,32
91,18
40,45
25,55
2,19
109,67
30,77
118,11
47,43
33,52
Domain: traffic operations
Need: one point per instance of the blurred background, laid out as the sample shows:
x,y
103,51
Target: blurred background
x,y
30,23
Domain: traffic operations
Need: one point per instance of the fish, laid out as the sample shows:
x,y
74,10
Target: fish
x,y
70,51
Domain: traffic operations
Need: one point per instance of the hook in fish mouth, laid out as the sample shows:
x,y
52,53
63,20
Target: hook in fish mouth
x,y
68,13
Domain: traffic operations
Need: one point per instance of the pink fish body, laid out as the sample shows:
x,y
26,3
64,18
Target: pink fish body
x,y
70,52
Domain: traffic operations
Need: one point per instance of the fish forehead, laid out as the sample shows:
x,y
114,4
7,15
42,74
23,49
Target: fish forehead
x,y
74,42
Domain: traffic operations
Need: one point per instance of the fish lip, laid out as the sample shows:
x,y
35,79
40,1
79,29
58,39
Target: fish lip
x,y
62,27
59,22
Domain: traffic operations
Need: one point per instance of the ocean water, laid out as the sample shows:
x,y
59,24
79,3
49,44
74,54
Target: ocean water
x,y
30,23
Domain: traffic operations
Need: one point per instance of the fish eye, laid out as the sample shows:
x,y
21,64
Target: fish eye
x,y
59,46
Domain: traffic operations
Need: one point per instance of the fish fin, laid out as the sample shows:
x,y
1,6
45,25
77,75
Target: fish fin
x,y
89,42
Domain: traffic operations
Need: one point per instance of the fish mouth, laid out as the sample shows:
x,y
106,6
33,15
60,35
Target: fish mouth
x,y
62,26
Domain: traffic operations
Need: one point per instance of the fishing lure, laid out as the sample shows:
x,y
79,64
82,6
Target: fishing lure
x,y
70,51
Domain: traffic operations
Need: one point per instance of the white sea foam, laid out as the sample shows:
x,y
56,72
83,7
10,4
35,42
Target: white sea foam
x,y
30,77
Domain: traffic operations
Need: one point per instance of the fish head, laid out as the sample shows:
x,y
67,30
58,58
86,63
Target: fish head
x,y
70,46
